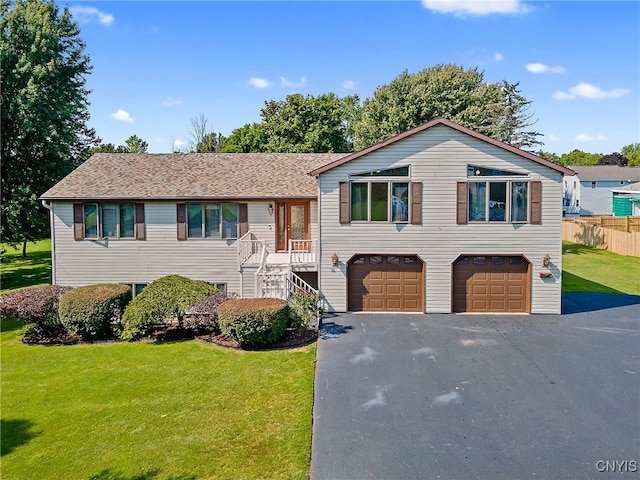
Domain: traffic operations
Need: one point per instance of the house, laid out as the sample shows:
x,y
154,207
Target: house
x,y
438,219
589,192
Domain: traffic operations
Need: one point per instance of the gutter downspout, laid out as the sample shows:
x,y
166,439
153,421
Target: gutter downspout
x,y
49,207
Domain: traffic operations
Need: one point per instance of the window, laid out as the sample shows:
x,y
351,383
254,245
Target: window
x,y
380,201
498,201
109,220
593,184
222,287
212,220
388,172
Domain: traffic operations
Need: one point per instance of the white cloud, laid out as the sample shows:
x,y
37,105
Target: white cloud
x,y
85,14
259,82
461,8
498,57
349,84
542,68
592,92
286,83
563,96
583,137
553,137
122,115
171,102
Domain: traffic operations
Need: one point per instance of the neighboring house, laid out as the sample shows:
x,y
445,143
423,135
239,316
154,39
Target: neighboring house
x,y
589,192
438,219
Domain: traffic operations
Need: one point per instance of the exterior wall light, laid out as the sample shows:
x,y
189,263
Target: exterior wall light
x,y
546,260
270,209
334,259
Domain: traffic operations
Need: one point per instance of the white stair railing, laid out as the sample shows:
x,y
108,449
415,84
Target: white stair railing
x,y
302,252
249,247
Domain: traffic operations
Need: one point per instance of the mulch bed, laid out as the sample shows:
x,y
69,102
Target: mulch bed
x,y
290,339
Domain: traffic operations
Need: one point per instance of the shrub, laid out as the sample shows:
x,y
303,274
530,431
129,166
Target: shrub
x,y
160,302
35,305
90,311
202,316
305,310
254,321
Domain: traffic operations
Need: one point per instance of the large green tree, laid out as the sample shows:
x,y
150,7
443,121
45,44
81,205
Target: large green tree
x,y
44,111
451,92
249,138
309,124
632,152
134,144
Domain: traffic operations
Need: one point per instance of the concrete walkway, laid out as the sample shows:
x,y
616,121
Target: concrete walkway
x,y
480,396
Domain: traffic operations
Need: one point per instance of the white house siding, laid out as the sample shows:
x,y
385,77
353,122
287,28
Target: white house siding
x,y
438,158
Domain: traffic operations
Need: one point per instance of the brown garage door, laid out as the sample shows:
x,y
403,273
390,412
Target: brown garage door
x,y
386,283
491,284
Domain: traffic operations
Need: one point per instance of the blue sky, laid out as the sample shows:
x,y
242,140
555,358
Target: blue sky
x,y
156,65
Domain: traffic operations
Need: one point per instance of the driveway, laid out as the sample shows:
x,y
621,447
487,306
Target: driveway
x,y
480,396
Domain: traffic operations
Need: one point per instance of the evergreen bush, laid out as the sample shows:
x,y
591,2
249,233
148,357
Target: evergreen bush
x,y
254,321
160,303
91,311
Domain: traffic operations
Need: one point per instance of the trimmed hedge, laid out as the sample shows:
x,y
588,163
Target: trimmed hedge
x,y
90,311
161,302
37,306
254,321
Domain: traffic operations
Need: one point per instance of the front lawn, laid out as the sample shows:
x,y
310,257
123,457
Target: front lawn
x,y
17,272
182,410
586,269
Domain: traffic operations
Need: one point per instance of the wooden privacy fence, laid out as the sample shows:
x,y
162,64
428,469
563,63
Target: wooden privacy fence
x,y
619,235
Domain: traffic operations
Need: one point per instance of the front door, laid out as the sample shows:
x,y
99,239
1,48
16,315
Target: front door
x,y
292,223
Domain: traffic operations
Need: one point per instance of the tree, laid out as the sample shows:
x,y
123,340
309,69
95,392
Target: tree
x,y
202,139
309,124
578,157
451,92
613,159
249,138
44,111
108,148
211,143
135,144
632,152
511,116
552,157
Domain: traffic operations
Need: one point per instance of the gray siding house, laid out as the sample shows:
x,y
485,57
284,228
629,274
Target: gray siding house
x,y
590,191
438,219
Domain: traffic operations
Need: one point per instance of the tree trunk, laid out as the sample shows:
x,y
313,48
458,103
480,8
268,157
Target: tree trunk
x,y
24,249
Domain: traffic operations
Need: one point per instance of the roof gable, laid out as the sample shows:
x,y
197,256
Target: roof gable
x,y
450,124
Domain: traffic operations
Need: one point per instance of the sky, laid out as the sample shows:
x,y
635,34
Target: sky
x,y
159,64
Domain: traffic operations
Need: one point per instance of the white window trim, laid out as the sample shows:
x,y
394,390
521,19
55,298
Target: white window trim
x,y
220,225
100,227
508,201
389,181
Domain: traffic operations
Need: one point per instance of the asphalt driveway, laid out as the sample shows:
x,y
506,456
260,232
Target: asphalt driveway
x,y
481,396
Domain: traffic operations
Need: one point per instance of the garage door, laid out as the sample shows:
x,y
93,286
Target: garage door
x,y
491,284
386,283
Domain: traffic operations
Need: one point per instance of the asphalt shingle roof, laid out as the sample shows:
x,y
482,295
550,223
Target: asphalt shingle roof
x,y
192,176
603,173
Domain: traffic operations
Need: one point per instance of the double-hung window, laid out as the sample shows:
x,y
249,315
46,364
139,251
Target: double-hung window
x,y
212,220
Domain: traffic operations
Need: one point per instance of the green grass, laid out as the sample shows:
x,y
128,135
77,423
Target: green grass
x,y
180,410
586,269
16,272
